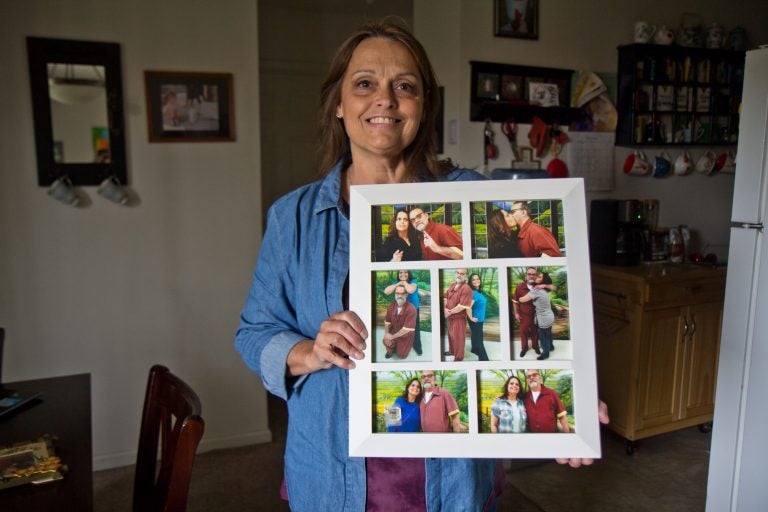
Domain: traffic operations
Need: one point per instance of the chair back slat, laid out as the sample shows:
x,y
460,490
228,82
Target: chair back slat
x,y
171,424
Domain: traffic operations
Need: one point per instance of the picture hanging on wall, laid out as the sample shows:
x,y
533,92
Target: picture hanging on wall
x,y
516,18
189,107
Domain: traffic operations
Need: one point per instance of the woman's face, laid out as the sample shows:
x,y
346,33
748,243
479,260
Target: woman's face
x,y
539,278
509,219
475,281
402,275
382,99
414,388
513,387
402,222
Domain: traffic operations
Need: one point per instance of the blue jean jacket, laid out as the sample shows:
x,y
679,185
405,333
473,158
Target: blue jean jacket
x,y
297,284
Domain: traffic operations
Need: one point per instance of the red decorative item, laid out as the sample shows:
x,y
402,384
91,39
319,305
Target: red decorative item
x,y
557,168
538,135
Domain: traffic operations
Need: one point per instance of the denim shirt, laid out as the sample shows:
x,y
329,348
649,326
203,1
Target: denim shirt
x,y
298,282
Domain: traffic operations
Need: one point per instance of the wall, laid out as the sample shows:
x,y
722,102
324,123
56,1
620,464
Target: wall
x,y
291,71
111,290
581,35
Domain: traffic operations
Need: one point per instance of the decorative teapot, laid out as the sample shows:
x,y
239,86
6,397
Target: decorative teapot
x,y
664,36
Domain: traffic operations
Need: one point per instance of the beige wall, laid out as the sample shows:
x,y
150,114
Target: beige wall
x,y
581,35
111,290
297,39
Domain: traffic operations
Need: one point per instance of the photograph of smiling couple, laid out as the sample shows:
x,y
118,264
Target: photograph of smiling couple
x,y
514,228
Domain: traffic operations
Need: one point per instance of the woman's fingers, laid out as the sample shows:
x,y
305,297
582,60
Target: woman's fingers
x,y
342,336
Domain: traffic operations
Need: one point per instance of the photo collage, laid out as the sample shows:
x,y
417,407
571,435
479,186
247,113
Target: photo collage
x,y
471,327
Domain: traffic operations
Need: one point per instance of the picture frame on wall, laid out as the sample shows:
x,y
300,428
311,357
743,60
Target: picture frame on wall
x,y
516,18
189,106
469,371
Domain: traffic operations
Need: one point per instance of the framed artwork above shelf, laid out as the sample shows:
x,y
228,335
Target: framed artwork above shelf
x,y
501,92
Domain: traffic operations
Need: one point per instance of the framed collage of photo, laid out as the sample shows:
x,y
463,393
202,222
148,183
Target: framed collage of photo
x,y
481,341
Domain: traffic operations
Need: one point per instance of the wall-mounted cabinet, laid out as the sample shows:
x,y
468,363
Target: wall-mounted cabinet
x,y
502,92
671,95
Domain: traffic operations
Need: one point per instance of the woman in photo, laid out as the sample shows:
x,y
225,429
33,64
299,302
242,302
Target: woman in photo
x,y
408,403
502,240
477,317
403,242
508,410
544,315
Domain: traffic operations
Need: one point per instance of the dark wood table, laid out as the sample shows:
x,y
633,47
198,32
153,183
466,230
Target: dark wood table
x,y
63,411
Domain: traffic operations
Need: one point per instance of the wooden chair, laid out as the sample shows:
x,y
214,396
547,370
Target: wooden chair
x,y
171,422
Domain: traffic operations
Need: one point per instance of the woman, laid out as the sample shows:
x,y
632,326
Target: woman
x,y
408,403
544,315
411,285
477,317
379,103
402,242
508,411
378,108
502,241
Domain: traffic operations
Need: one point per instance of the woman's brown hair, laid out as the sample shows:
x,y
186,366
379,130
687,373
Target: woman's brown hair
x,y
421,154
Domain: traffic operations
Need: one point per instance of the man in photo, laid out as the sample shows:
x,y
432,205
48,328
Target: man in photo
x,y
412,287
543,406
439,409
534,240
399,325
457,301
440,241
525,312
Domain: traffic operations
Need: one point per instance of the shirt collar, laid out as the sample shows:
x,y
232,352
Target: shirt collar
x,y
330,190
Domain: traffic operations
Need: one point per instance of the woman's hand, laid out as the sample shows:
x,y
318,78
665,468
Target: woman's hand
x,y
602,415
341,338
397,256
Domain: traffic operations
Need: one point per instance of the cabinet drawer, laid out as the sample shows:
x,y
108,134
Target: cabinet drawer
x,y
685,292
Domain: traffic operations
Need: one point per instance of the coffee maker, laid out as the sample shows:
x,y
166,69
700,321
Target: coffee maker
x,y
616,232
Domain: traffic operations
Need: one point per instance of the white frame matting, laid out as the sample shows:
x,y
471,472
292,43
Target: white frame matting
x,y
585,441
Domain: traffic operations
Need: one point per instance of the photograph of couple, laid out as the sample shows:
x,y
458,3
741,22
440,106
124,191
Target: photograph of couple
x,y
423,232
518,229
539,313
432,401
530,400
470,321
402,302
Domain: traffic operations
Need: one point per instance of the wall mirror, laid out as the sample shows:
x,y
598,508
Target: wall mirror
x,y
77,103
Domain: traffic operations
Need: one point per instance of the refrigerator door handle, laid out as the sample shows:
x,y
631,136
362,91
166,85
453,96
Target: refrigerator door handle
x,y
748,225
685,328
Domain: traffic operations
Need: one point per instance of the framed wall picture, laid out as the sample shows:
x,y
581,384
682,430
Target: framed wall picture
x,y
516,18
189,106
449,368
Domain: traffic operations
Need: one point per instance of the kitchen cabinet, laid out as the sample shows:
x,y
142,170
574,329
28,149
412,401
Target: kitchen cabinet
x,y
673,95
657,334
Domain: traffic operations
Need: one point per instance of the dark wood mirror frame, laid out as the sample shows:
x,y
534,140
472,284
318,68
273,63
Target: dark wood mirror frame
x,y
40,52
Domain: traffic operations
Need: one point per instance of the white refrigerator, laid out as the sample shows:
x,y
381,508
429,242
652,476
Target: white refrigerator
x,y
738,465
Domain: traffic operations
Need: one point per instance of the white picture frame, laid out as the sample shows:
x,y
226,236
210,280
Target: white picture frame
x,y
366,204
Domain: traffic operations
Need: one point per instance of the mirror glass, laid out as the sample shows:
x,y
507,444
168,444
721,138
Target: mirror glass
x,y
78,99
77,103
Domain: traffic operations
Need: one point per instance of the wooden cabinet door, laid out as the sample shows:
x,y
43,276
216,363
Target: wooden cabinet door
x,y
701,347
660,375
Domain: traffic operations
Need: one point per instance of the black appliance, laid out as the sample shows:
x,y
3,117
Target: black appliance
x,y
616,232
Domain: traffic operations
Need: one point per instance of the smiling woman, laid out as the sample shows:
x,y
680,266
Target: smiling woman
x,y
379,103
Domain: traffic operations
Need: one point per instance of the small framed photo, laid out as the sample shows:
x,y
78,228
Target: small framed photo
x,y
488,86
543,94
189,106
516,18
512,88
